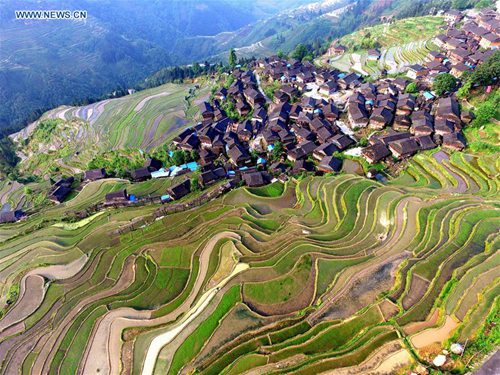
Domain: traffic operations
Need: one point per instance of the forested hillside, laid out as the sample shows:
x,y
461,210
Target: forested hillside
x,y
44,64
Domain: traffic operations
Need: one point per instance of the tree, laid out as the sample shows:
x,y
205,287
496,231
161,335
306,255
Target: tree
x,y
300,52
412,88
194,155
487,72
195,184
444,82
487,111
232,57
460,4
463,92
178,157
483,4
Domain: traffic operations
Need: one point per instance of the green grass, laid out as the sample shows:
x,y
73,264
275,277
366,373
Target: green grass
x,y
328,269
273,190
484,139
247,362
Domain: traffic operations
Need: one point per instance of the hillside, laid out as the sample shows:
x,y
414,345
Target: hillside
x,y
401,43
364,268
67,138
66,61
267,216
79,61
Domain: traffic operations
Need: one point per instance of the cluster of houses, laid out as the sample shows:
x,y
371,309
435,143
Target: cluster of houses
x,y
418,129
314,127
409,123
314,114
462,48
304,128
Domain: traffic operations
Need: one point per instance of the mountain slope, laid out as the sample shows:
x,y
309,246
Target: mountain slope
x,y
44,64
67,138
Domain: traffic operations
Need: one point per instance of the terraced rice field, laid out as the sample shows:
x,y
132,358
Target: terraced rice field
x,y
393,59
402,43
398,32
143,120
326,273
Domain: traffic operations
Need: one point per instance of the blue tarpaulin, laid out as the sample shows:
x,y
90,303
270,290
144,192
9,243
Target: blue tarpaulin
x,y
428,95
160,173
192,166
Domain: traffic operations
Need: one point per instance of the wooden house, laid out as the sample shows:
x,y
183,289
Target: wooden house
x,y
180,190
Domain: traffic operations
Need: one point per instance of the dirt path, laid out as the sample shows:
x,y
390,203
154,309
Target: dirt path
x,y
110,330
398,359
7,191
432,335
143,102
160,341
61,271
419,326
257,78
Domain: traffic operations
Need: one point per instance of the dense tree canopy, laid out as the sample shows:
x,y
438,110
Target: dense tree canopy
x,y
444,83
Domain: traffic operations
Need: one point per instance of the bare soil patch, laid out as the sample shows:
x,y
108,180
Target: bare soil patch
x,y
417,290
396,360
388,309
433,335
419,326
364,290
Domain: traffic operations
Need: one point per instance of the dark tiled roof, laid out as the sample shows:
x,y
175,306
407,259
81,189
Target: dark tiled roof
x,y
376,152
117,195
180,190
141,173
11,216
95,174
330,163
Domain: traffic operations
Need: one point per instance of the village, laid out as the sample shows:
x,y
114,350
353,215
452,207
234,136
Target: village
x,y
316,117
